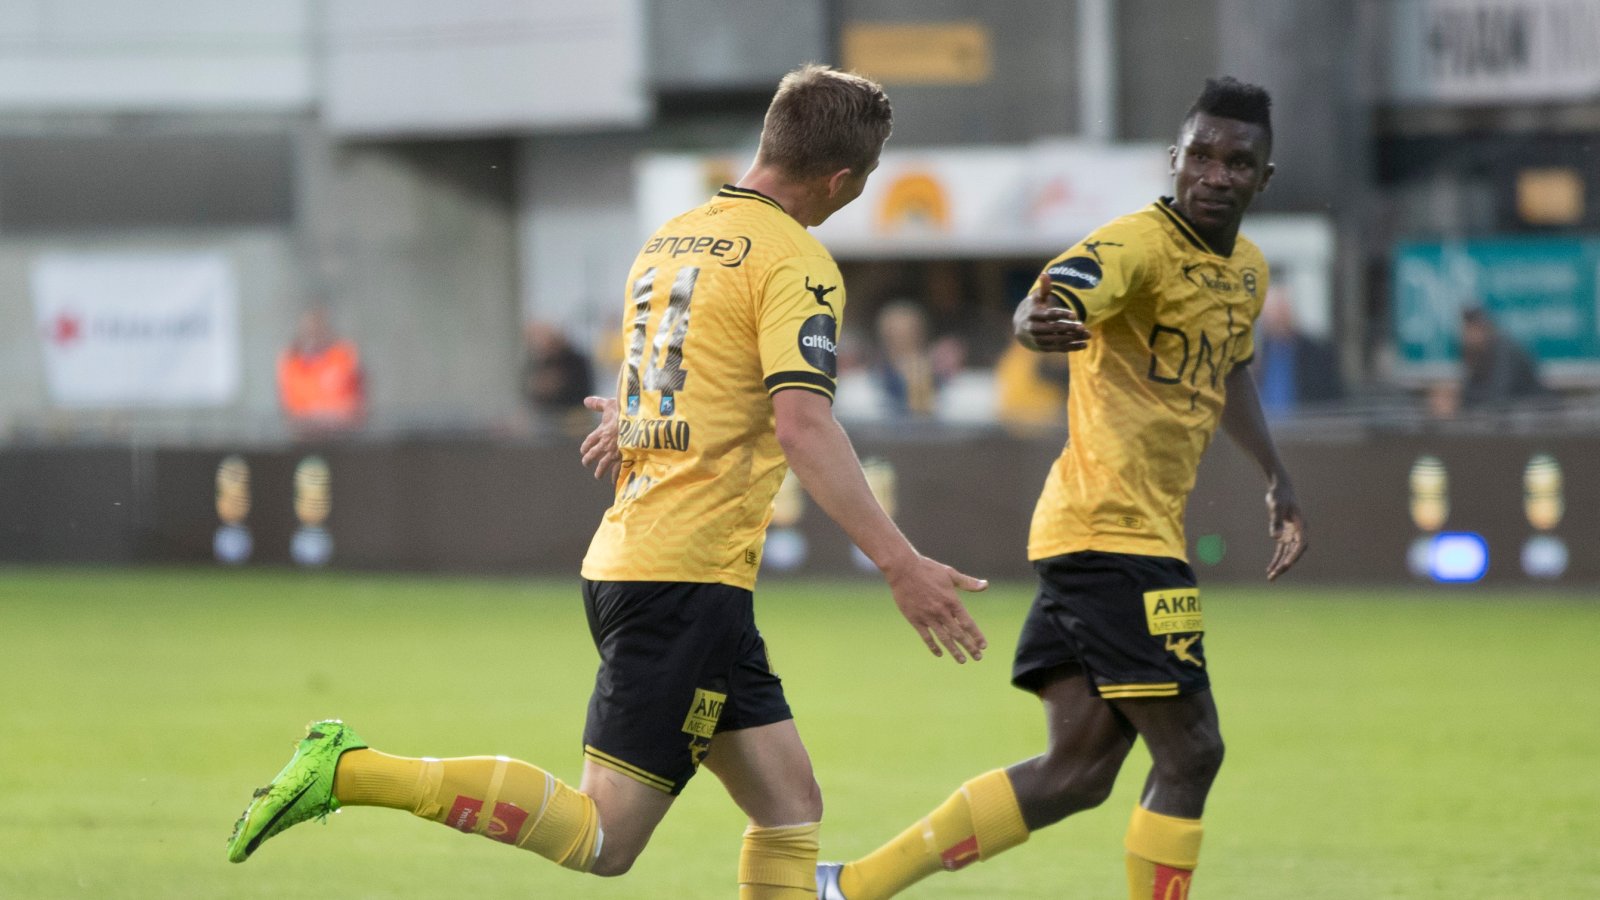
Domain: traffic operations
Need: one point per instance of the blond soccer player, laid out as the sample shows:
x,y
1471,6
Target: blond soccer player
x,y
731,338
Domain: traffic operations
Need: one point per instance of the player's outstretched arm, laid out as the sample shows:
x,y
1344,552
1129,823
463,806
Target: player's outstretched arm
x,y
600,449
924,589
1243,420
1042,324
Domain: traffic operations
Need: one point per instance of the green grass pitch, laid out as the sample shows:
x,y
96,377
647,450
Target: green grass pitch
x,y
1382,744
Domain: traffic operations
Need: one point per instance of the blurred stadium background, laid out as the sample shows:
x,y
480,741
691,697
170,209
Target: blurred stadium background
x,y
459,188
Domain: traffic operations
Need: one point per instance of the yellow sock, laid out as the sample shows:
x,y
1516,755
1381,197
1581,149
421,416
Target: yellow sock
x,y
779,863
503,799
1162,854
977,822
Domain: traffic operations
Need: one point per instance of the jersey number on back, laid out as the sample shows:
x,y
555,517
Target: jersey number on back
x,y
664,372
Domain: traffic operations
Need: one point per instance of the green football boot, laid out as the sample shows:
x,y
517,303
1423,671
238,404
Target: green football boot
x,y
303,790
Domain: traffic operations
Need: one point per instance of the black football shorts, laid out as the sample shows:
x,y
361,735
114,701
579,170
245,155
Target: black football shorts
x,y
679,664
1131,623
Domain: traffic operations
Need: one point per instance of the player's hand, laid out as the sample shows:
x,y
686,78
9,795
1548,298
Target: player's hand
x,y
925,591
1042,324
600,450
1287,525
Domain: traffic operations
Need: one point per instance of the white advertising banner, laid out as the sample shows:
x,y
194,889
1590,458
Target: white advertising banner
x,y
1464,51
137,329
1001,201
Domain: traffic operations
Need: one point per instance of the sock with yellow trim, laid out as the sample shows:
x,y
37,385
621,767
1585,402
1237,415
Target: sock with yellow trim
x,y
1162,854
779,863
977,822
503,799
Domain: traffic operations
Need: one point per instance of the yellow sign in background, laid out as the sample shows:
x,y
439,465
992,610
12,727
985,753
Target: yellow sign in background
x,y
919,53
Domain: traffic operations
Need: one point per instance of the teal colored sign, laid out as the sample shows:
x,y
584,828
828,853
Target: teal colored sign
x,y
1541,291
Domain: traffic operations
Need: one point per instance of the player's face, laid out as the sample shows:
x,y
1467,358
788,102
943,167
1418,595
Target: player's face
x,y
1218,167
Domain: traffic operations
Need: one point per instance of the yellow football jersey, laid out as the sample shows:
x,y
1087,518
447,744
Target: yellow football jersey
x,y
727,304
1169,320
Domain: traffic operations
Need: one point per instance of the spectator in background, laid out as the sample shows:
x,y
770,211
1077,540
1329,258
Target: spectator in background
x,y
1495,369
1292,368
320,383
910,371
1031,389
556,376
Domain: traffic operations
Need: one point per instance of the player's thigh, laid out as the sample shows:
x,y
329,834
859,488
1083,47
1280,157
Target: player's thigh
x,y
767,772
1132,622
629,811
1079,723
672,666
1181,731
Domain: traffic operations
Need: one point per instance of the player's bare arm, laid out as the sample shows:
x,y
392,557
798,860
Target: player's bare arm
x,y
1043,324
1243,420
924,589
600,450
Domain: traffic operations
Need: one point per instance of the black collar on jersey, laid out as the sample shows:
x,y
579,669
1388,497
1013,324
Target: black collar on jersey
x,y
1165,205
740,193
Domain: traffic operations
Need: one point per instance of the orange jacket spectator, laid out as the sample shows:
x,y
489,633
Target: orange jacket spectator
x,y
319,377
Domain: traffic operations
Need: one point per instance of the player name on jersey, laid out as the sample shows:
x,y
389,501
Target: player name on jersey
x,y
653,434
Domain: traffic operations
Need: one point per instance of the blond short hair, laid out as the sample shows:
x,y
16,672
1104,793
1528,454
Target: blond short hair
x,y
822,120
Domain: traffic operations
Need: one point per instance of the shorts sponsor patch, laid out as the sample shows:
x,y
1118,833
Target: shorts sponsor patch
x,y
1173,611
1081,272
704,713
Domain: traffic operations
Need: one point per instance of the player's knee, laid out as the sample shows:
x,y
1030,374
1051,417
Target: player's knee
x,y
802,802
613,864
1197,763
614,860
812,804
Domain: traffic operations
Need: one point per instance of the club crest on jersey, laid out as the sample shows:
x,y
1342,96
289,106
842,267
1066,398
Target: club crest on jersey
x,y
1249,278
1080,272
818,344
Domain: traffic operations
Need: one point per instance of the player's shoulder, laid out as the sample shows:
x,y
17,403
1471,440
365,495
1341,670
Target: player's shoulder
x,y
1145,221
1123,240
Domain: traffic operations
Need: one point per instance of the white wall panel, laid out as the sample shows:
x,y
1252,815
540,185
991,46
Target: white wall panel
x,y
418,66
155,55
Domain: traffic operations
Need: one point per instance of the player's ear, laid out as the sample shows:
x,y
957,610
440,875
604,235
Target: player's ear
x,y
1266,176
1172,160
836,182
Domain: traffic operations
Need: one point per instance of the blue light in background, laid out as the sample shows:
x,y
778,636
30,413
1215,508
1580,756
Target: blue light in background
x,y
1458,557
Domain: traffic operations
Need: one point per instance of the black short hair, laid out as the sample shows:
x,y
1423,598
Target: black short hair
x,y
1230,98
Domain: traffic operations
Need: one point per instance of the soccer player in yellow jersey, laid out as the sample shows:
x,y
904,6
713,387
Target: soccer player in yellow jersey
x,y
1112,645
731,337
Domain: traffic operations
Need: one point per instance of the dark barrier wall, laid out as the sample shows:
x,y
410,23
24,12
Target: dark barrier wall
x,y
499,507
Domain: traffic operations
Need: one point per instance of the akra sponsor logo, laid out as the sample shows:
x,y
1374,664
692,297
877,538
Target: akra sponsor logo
x,y
704,713
1173,611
